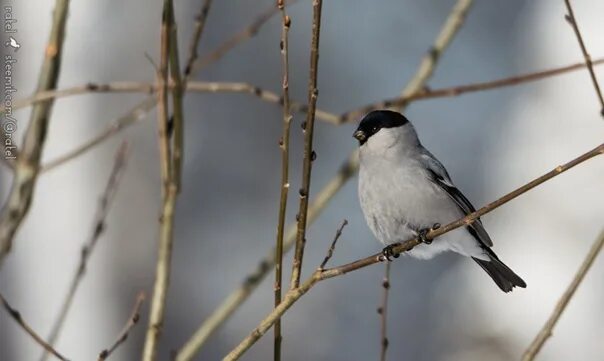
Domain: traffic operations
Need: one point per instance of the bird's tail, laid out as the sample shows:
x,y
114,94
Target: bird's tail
x,y
503,276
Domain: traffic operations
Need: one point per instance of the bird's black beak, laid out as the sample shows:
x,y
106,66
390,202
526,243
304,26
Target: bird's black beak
x,y
360,136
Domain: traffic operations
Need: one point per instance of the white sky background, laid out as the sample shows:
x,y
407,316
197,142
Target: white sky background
x,y
491,143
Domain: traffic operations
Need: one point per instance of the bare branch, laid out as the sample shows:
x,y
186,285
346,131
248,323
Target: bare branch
x,y
573,21
178,97
28,161
132,321
319,275
179,85
451,26
200,22
284,144
463,89
383,312
88,88
15,315
165,148
249,32
547,329
169,194
98,229
268,96
332,248
162,273
191,86
309,154
137,114
218,87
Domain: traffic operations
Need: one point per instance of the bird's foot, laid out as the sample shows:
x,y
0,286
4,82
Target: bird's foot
x,y
421,235
388,252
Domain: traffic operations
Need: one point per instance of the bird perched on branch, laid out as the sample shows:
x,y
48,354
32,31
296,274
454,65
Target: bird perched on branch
x,y
405,191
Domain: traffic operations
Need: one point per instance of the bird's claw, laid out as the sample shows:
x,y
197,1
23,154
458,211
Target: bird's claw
x,y
388,252
421,235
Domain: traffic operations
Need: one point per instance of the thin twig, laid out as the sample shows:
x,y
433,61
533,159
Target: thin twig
x,y
573,21
180,83
15,315
135,115
271,97
218,87
177,99
383,312
165,148
546,331
309,154
249,32
88,88
451,26
424,72
169,194
171,152
200,22
332,248
284,144
98,229
162,273
191,86
346,171
28,161
319,275
123,336
454,91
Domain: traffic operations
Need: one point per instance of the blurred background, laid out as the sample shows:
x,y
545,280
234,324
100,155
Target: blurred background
x,y
491,142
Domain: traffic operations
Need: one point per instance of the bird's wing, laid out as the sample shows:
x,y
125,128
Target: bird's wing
x,y
439,175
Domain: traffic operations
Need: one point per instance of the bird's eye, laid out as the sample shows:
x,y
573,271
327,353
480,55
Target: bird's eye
x,y
374,129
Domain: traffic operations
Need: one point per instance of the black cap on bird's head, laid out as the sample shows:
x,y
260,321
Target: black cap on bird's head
x,y
376,120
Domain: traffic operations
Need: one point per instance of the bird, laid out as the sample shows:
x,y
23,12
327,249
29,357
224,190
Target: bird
x,y
404,192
